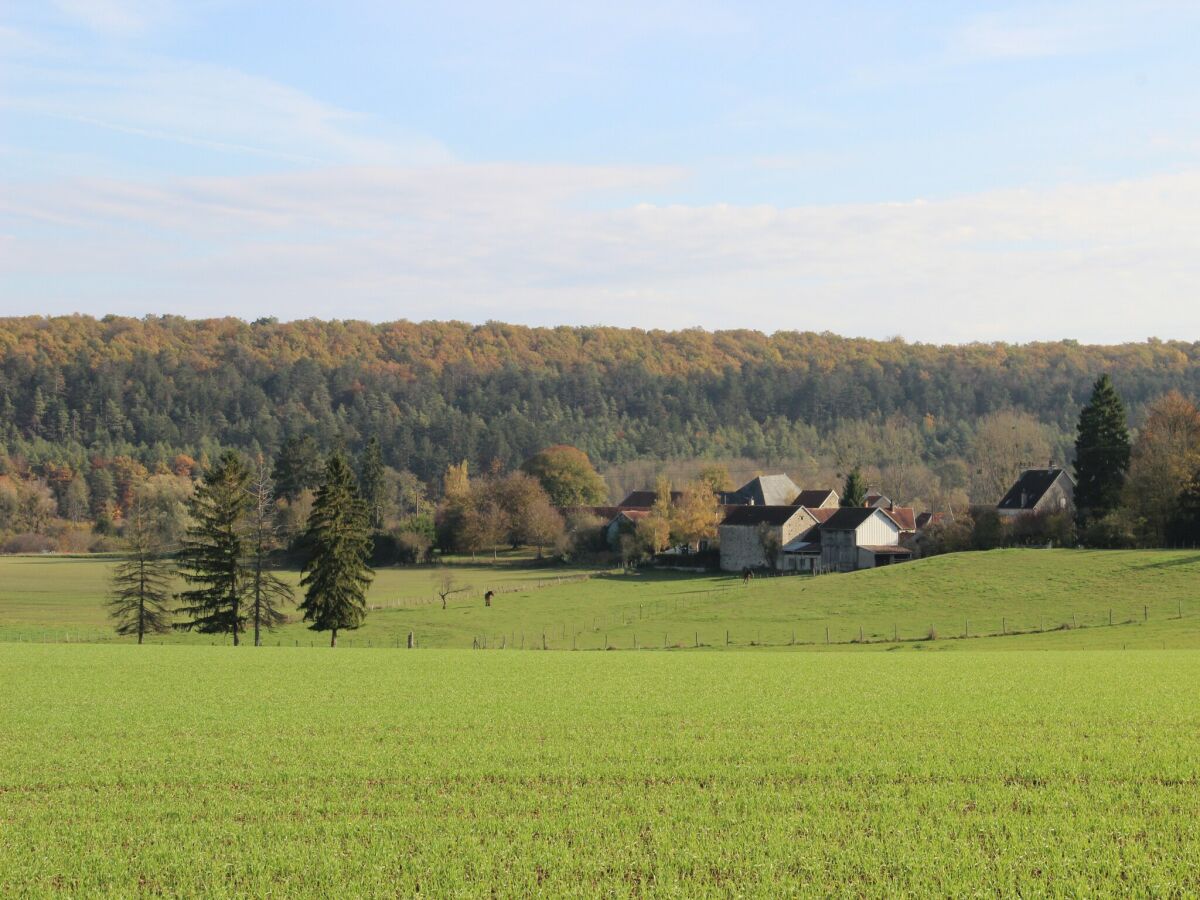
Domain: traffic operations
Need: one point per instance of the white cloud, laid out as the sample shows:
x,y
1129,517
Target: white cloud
x,y
208,106
118,17
523,243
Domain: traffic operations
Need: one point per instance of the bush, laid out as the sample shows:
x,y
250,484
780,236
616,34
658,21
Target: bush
x,y
401,548
28,543
1113,532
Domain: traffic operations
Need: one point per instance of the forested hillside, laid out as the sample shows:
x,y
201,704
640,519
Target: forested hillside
x,y
435,393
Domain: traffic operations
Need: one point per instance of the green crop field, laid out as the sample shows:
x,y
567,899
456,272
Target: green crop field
x,y
207,770
1006,599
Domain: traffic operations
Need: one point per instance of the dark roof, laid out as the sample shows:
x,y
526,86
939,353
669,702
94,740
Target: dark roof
x,y
925,519
645,499
601,512
849,517
823,514
758,515
814,497
1030,488
879,501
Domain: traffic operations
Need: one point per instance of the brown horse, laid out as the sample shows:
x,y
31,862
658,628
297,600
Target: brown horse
x,y
747,576
487,598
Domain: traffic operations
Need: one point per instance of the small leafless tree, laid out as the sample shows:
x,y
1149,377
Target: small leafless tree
x,y
445,584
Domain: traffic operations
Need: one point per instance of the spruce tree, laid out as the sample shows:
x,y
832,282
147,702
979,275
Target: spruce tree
x,y
336,575
212,559
854,491
267,591
1101,453
297,468
141,582
373,481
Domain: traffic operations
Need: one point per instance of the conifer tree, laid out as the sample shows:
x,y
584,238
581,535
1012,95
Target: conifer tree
x,y
336,575
212,559
141,582
267,591
297,468
854,491
1101,453
373,480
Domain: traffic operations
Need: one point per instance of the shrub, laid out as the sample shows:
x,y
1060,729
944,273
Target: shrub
x,y
28,543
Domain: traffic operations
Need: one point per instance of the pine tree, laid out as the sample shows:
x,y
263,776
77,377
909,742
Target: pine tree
x,y
212,559
297,468
336,575
373,481
1101,453
267,590
141,582
854,491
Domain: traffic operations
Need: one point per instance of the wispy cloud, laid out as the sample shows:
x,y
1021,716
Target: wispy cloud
x,y
519,243
209,106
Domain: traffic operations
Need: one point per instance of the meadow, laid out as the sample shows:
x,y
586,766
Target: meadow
x,y
1005,599
205,770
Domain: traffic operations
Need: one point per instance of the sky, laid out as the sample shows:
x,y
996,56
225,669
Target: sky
x,y
940,171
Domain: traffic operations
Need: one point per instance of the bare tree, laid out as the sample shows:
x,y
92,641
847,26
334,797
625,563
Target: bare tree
x,y
445,585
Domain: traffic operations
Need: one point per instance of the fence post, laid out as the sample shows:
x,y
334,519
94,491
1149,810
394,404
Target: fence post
x,y
1145,613
1003,625
1110,615
410,640
826,634
726,637
697,639
966,628
860,634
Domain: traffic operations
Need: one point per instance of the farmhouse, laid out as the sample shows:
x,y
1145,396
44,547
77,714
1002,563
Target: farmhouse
x,y
1039,492
749,532
856,538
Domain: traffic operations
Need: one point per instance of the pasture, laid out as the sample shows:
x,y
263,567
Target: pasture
x,y
1006,599
205,770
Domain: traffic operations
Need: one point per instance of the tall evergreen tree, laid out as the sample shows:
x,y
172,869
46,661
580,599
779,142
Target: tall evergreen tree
x,y
212,559
297,467
1101,453
267,591
336,575
141,582
373,482
854,491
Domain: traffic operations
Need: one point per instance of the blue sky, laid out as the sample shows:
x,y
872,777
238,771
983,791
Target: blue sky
x,y
941,171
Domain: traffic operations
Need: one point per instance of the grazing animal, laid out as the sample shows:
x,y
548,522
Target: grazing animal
x,y
747,576
487,598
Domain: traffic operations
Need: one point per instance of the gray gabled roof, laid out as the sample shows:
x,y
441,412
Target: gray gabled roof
x,y
765,490
1031,487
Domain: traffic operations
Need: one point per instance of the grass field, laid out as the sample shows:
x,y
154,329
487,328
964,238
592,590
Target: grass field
x,y
1153,596
190,770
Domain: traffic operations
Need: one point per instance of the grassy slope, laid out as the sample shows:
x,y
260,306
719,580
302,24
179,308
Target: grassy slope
x,y
985,593
199,770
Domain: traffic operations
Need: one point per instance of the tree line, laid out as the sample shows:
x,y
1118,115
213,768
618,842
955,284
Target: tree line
x,y
224,558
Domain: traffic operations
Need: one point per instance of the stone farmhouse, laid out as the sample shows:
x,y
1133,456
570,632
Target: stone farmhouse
x,y
751,534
